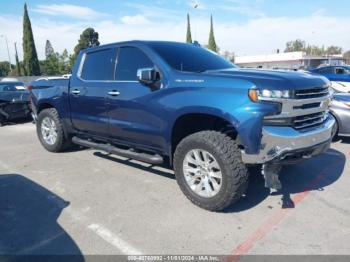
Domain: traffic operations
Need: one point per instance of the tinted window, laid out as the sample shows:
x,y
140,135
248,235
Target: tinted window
x,y
324,70
130,59
99,65
341,71
190,58
10,86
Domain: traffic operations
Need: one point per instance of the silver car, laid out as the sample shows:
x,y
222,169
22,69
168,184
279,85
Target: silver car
x,y
340,109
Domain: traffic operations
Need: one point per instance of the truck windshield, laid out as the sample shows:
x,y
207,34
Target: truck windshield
x,y
190,58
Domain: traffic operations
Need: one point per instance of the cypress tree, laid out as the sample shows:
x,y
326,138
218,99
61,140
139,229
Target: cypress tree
x,y
48,49
18,66
211,43
30,57
188,34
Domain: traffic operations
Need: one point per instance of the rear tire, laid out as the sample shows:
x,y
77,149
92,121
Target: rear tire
x,y
50,131
234,175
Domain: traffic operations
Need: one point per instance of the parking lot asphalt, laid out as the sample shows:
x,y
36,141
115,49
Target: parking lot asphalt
x,y
87,202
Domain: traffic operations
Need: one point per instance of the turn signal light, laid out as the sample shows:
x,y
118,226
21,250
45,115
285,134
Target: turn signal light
x,y
253,95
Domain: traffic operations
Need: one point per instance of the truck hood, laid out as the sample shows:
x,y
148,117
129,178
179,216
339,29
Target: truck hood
x,y
274,79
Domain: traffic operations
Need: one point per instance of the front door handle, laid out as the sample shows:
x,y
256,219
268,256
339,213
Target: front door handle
x,y
114,93
76,92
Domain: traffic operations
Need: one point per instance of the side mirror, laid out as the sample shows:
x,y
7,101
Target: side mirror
x,y
147,76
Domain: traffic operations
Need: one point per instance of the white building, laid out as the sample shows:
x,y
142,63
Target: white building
x,y
289,60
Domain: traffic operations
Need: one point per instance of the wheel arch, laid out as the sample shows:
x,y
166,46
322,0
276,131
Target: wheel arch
x,y
191,122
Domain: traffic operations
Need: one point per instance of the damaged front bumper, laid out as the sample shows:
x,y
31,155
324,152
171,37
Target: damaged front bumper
x,y
283,145
14,110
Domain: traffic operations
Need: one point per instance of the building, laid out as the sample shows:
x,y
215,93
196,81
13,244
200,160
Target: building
x,y
289,60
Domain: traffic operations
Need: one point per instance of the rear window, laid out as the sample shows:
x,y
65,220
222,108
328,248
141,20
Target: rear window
x,y
99,65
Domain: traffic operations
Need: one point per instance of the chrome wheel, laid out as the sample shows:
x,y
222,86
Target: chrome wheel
x,y
49,130
202,173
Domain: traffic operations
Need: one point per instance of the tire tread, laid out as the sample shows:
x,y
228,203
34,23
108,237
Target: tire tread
x,y
230,156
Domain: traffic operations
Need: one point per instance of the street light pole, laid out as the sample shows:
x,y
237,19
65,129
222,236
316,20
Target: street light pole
x,y
195,6
8,51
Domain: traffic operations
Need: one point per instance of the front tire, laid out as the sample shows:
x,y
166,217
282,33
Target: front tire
x,y
50,131
209,170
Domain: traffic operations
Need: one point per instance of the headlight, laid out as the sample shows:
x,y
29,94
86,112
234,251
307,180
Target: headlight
x,y
256,95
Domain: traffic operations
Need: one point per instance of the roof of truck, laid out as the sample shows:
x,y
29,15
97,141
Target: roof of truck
x,y
144,42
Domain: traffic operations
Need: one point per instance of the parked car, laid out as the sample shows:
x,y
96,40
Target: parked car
x,y
14,101
338,75
184,105
340,109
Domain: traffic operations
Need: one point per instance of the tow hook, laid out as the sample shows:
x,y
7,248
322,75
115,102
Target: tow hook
x,y
271,172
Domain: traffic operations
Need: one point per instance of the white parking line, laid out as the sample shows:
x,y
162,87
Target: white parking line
x,y
113,239
96,228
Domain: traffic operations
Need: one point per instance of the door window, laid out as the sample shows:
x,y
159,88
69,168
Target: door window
x,y
99,65
130,59
341,71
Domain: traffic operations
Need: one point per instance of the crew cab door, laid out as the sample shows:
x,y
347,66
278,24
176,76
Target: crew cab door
x,y
88,91
341,74
132,116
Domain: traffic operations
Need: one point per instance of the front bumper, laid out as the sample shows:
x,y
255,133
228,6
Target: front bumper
x,y
14,110
285,144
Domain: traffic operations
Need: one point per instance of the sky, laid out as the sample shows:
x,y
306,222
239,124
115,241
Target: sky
x,y
245,27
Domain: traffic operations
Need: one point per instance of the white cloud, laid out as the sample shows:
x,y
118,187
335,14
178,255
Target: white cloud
x,y
135,20
256,36
73,11
242,9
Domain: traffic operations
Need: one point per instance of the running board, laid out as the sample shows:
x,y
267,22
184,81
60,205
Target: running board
x,y
144,157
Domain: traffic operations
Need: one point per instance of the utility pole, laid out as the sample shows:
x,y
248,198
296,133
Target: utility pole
x,y
8,51
195,6
18,66
16,49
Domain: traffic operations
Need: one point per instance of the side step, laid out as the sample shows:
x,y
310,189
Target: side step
x,y
144,157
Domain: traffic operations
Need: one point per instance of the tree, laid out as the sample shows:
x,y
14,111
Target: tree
x,y
50,65
346,57
4,68
229,56
188,34
18,65
88,38
56,64
294,46
334,50
63,63
211,43
48,49
300,45
30,57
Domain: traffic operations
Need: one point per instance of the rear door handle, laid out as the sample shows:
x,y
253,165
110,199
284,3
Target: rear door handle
x,y
76,92
114,93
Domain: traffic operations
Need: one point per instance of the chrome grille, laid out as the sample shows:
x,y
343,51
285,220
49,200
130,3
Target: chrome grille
x,y
307,121
311,93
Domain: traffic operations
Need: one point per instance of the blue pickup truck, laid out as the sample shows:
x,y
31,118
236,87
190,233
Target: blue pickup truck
x,y
338,75
180,104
